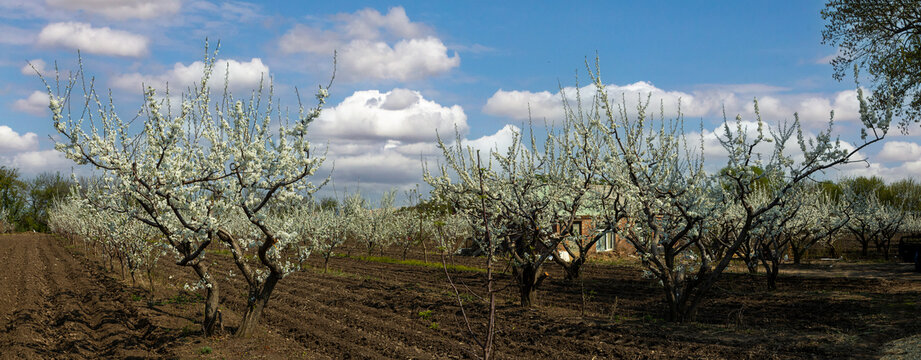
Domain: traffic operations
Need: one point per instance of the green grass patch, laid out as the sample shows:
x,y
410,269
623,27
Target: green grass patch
x,y
181,298
425,314
413,262
615,261
187,330
220,252
337,272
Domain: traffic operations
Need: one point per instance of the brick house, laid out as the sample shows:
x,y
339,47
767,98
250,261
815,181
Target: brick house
x,y
609,243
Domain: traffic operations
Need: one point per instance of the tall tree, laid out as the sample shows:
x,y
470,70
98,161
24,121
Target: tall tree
x,y
12,191
43,190
883,37
217,170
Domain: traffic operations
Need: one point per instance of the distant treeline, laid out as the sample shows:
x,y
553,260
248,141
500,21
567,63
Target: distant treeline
x,y
904,194
24,203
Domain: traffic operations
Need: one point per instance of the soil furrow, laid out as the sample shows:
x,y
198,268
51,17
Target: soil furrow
x,y
65,308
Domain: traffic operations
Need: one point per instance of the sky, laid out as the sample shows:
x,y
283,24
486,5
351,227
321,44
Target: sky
x,y
406,71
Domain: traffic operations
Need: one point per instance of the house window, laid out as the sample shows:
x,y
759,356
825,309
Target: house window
x,y
606,243
577,228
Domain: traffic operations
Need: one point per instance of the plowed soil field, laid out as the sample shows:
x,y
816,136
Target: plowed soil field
x,y
59,301
52,305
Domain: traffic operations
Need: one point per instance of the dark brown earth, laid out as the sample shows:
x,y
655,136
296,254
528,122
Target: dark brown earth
x,y
58,302
52,305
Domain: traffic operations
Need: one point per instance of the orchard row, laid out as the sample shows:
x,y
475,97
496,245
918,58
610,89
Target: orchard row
x,y
227,174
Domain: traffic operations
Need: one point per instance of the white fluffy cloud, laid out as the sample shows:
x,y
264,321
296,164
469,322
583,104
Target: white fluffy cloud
x,y
380,140
813,110
399,115
21,151
707,102
12,141
38,161
520,105
84,37
899,151
499,142
406,60
382,165
366,24
371,24
825,60
889,173
375,46
35,104
241,75
549,106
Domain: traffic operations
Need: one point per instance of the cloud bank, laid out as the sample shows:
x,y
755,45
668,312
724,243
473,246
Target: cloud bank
x,y
374,46
240,74
85,37
813,109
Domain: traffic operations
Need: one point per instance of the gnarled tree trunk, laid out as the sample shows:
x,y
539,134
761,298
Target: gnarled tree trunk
x,y
258,298
210,324
528,277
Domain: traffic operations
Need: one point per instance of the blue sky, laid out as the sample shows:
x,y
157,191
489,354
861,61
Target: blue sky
x,y
409,68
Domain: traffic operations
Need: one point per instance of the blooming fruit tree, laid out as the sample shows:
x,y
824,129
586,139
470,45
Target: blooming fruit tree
x,y
672,202
211,170
872,220
529,195
121,238
5,224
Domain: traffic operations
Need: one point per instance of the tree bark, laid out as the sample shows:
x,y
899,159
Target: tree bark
x,y
772,276
573,268
918,261
209,326
680,310
529,278
150,280
832,251
425,252
258,298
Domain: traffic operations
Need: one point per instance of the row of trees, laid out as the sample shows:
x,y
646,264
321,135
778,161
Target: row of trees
x,y
877,212
130,246
217,172
639,178
331,223
118,239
